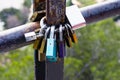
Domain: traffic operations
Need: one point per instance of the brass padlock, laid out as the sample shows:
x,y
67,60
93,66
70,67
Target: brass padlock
x,y
37,44
41,57
37,16
43,44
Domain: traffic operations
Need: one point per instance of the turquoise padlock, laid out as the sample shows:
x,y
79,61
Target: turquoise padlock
x,y
51,52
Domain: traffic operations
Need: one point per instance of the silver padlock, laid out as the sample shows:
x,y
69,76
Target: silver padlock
x,y
75,17
30,36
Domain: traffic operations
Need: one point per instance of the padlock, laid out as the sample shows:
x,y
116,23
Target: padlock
x,y
72,34
77,20
37,10
41,57
36,44
61,44
43,44
43,24
36,16
67,37
51,52
30,36
39,42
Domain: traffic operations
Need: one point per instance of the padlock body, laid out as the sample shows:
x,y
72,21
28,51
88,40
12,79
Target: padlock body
x,y
41,57
75,39
36,44
68,41
51,54
61,49
41,50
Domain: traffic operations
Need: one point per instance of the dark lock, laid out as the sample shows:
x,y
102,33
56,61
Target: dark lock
x,y
72,34
67,37
61,44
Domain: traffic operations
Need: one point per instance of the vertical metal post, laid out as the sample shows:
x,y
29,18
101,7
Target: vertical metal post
x,y
55,15
55,11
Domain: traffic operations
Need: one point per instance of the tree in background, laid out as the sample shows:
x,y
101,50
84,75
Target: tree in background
x,y
15,17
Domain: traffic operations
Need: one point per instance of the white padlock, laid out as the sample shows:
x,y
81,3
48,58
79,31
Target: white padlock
x,y
30,36
75,17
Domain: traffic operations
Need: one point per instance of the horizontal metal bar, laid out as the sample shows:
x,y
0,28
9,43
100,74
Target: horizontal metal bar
x,y
14,38
100,11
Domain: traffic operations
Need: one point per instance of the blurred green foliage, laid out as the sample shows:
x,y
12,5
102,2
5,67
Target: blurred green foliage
x,y
27,3
95,57
17,65
96,54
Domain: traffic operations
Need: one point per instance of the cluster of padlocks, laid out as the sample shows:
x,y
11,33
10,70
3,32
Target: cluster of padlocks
x,y
51,40
52,44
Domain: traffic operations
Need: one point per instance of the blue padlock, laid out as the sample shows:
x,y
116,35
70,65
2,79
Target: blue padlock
x,y
51,52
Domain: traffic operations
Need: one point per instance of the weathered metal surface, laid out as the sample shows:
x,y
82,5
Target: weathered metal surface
x,y
55,70
55,15
55,12
38,10
14,38
101,11
38,5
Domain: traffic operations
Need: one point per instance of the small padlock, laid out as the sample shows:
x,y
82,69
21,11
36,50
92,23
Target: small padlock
x,y
41,57
43,44
37,43
61,44
36,16
30,36
72,34
67,37
51,52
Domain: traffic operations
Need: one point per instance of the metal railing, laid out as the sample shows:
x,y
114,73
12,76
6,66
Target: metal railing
x,y
14,38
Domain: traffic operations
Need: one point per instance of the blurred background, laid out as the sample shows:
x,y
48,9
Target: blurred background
x,y
95,57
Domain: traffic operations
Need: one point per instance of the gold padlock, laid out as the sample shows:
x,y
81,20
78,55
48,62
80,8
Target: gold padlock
x,y
41,50
41,57
36,44
43,43
75,38
37,16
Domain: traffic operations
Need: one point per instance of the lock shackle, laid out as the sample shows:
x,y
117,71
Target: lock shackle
x,y
42,23
61,33
66,28
52,31
46,33
70,28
